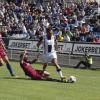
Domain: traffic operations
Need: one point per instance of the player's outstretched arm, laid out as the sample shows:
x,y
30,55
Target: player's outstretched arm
x,y
22,56
4,47
33,61
40,42
57,47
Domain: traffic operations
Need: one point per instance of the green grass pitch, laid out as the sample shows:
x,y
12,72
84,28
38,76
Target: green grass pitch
x,y
87,86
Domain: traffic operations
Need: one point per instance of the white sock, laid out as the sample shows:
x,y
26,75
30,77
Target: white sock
x,y
60,73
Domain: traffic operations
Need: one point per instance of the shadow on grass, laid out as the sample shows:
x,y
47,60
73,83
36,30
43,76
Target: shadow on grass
x,y
94,69
16,78
50,80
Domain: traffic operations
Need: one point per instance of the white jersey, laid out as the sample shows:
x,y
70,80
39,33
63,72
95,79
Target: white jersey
x,y
49,44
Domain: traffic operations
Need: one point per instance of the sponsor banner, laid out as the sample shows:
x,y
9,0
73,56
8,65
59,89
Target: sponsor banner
x,y
73,48
65,47
93,49
20,44
32,45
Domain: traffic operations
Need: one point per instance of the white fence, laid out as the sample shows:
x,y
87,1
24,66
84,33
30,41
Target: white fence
x,y
72,51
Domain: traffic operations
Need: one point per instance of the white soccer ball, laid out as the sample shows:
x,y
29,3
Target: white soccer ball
x,y
72,79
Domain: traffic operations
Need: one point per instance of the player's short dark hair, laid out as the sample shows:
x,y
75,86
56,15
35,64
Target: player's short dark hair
x,y
21,55
48,30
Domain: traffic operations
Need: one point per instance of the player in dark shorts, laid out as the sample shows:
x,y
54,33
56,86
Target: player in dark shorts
x,y
29,70
4,58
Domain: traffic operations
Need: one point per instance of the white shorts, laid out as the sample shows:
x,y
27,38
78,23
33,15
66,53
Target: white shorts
x,y
49,57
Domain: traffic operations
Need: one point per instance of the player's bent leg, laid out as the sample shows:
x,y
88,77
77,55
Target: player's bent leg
x,y
46,73
1,62
58,68
45,61
54,61
5,59
44,66
9,67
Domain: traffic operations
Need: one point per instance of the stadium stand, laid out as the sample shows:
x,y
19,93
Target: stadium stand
x,y
29,19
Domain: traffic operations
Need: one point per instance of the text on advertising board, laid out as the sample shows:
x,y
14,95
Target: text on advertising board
x,y
93,49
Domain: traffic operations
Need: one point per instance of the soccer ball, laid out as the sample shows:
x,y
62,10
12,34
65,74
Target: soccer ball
x,y
72,79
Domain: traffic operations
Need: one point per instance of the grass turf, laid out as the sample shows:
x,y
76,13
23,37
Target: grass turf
x,y
87,86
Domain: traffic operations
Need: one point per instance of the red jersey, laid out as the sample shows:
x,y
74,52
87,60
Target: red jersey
x,y
30,71
96,40
2,51
68,9
1,48
91,3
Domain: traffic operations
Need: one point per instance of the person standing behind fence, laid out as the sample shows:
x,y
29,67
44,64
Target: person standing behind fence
x,y
87,61
49,53
4,58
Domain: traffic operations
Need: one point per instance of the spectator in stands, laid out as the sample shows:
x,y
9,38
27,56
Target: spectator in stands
x,y
70,34
65,25
78,14
73,38
1,14
29,18
77,31
27,36
42,33
83,32
88,28
46,24
87,61
66,38
93,20
88,10
95,4
23,28
79,27
95,39
79,5
89,39
32,33
42,2
90,2
74,22
96,29
24,16
67,10
72,13
82,13
59,31
78,38
64,31
60,37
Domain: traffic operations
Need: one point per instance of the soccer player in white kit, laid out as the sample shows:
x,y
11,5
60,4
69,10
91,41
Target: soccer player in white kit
x,y
49,53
